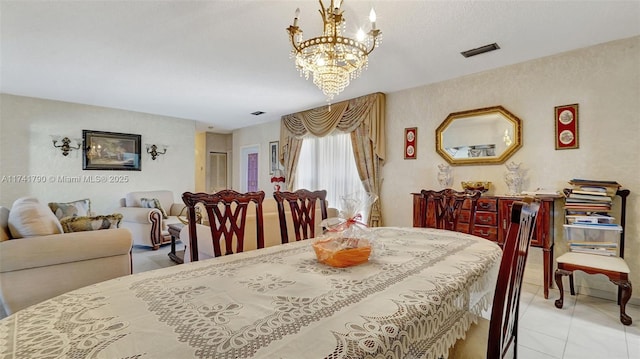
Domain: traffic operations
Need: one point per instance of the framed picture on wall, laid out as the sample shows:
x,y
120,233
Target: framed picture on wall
x,y
566,126
410,143
110,151
273,157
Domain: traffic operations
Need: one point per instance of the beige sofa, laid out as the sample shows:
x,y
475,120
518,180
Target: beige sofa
x,y
271,224
38,268
146,224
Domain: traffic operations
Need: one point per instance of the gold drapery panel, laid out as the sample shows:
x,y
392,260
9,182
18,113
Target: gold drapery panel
x,y
363,117
368,165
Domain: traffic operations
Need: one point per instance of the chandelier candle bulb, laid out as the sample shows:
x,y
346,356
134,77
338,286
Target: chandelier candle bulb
x,y
295,19
372,18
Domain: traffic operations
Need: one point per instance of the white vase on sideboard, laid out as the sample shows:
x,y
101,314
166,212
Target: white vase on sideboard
x,y
444,176
513,178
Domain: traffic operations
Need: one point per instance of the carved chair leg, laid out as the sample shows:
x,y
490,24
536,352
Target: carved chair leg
x,y
558,276
625,289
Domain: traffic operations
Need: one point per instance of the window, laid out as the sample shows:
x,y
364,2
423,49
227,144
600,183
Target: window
x,y
328,163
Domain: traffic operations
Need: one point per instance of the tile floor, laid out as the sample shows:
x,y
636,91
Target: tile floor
x,y
145,259
586,328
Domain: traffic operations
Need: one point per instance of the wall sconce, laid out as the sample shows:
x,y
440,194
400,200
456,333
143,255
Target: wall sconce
x,y
153,150
66,144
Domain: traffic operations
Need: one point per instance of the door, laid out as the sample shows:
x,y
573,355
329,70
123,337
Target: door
x,y
217,172
249,168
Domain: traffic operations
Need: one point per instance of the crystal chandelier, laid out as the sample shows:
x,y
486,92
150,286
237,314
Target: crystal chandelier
x,y
332,59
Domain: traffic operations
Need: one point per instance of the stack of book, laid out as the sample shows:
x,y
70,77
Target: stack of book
x,y
590,228
601,248
590,196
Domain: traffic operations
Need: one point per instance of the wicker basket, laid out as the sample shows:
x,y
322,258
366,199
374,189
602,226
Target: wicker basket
x,y
342,252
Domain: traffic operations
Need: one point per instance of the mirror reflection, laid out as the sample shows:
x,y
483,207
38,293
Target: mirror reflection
x,y
482,136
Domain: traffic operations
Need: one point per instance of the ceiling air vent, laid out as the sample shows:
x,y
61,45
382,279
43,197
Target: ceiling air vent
x,y
257,113
480,50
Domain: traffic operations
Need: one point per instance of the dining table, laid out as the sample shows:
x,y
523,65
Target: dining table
x,y
418,293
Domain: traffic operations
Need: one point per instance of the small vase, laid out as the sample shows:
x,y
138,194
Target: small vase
x,y
513,178
444,176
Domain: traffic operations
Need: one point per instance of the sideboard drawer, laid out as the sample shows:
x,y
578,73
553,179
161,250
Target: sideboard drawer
x,y
487,204
487,218
488,232
483,204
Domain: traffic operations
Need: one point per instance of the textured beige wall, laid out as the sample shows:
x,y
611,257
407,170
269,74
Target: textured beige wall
x,y
26,149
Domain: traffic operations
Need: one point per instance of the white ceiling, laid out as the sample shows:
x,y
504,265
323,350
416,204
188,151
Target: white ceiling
x,y
218,61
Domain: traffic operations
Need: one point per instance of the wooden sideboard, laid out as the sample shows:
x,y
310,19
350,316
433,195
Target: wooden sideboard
x,y
492,219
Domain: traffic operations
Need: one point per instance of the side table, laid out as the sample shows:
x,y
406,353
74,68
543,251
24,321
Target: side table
x,y
174,231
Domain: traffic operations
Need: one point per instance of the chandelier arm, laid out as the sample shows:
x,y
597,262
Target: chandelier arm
x,y
373,46
374,33
292,35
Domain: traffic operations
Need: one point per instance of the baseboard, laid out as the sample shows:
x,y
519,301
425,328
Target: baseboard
x,y
603,294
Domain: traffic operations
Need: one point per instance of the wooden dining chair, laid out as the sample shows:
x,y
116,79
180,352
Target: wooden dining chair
x,y
303,212
614,267
226,212
497,337
444,209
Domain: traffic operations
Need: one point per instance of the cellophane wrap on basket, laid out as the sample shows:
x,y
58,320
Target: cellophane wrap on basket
x,y
347,241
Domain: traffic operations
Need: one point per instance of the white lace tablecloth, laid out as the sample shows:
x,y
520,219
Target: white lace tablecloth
x,y
419,292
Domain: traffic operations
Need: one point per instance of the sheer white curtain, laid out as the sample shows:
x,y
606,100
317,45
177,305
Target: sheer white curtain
x,y
328,163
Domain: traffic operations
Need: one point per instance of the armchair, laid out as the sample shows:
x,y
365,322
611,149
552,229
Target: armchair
x,y
149,226
41,267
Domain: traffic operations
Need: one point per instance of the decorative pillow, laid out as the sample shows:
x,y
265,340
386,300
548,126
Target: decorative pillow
x,y
30,218
84,223
153,203
80,207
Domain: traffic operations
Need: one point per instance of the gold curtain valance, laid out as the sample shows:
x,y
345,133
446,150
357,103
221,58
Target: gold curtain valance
x,y
345,116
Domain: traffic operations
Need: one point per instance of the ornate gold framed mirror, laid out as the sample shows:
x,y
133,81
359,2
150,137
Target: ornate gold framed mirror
x,y
482,136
